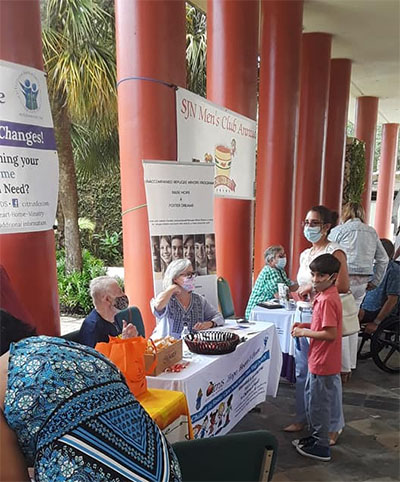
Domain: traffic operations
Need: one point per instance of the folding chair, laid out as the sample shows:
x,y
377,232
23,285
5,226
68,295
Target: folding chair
x,y
249,456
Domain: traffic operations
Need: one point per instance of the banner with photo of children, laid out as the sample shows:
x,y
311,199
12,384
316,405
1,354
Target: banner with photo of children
x,y
210,133
180,204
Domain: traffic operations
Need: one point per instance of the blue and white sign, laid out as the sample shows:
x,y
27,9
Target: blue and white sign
x,y
28,155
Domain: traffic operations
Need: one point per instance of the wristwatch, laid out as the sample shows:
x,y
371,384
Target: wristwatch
x,y
213,324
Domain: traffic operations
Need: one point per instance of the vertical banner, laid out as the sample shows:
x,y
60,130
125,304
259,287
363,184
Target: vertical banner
x,y
209,133
28,156
180,205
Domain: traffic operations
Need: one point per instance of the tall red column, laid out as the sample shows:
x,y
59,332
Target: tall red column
x,y
29,258
232,36
387,169
365,130
338,105
277,124
150,40
314,89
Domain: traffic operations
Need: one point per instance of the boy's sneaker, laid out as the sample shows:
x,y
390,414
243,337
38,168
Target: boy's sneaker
x,y
315,451
302,442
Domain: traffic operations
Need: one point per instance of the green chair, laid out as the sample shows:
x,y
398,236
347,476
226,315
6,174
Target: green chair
x,y
225,300
72,336
246,456
131,315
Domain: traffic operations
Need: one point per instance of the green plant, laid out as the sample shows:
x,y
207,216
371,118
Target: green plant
x,y
196,50
73,288
354,171
110,247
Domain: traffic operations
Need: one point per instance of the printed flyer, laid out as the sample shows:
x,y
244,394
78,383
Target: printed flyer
x,y
180,205
28,155
210,133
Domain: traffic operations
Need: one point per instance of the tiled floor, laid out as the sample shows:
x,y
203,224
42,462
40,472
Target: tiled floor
x,y
369,447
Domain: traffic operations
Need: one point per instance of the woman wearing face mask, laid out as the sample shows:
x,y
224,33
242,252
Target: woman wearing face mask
x,y
178,305
266,286
317,225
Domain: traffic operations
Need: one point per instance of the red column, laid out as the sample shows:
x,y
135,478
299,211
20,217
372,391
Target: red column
x,y
387,169
315,69
365,130
150,39
277,124
29,258
232,29
339,90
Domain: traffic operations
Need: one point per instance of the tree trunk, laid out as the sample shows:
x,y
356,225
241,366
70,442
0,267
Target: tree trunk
x,y
68,193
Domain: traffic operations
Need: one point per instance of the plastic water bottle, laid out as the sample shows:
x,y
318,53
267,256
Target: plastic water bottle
x,y
185,350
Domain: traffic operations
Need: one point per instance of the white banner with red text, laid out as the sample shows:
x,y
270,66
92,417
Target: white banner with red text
x,y
28,155
208,132
180,206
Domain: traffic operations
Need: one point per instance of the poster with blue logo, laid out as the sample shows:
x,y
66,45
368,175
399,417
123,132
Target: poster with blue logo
x,y
28,155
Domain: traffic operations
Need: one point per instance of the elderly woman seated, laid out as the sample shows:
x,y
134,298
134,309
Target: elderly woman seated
x,y
266,286
178,305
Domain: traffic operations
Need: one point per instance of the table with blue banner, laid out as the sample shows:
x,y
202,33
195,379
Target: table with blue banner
x,y
222,389
283,320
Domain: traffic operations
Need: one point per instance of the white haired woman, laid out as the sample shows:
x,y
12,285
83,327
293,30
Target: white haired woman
x,y
178,305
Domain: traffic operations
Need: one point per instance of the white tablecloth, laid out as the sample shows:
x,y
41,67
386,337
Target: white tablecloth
x,y
222,389
282,319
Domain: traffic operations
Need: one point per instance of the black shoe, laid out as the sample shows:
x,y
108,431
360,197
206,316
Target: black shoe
x,y
315,451
302,442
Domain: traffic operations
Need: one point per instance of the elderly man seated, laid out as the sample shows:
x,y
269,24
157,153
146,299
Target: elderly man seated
x,y
108,300
383,301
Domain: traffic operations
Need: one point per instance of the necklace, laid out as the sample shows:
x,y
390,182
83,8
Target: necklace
x,y
315,250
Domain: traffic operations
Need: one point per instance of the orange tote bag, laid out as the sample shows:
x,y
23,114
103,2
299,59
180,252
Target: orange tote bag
x,y
128,355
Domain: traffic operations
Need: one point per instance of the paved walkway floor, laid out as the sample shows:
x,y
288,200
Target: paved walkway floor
x,y
367,450
369,447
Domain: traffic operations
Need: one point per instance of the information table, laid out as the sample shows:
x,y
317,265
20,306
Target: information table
x,y
222,389
283,320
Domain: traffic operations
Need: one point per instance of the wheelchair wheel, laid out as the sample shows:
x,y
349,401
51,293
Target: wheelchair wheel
x,y
385,346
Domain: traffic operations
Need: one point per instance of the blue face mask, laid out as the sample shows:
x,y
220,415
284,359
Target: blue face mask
x,y
312,234
281,263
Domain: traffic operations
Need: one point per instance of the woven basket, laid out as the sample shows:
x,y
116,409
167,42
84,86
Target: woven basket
x,y
212,342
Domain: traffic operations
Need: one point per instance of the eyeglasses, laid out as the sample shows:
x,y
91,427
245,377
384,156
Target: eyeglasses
x,y
312,224
189,275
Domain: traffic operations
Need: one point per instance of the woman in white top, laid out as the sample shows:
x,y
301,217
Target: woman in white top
x,y
317,225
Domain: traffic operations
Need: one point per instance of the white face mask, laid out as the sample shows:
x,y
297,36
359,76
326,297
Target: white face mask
x,y
281,263
323,285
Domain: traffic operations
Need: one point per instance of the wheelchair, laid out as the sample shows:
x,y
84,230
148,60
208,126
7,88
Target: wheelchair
x,y
384,345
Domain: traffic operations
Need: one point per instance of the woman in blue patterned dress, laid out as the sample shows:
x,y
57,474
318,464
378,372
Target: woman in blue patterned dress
x,y
67,412
177,305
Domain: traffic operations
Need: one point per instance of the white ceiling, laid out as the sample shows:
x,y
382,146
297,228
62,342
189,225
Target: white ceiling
x,y
368,33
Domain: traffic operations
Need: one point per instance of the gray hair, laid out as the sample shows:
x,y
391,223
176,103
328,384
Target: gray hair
x,y
99,287
175,268
271,252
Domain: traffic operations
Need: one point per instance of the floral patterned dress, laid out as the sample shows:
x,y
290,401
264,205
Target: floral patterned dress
x,y
76,420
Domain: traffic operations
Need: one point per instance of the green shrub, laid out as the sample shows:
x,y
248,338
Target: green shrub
x,y
73,289
110,247
100,202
